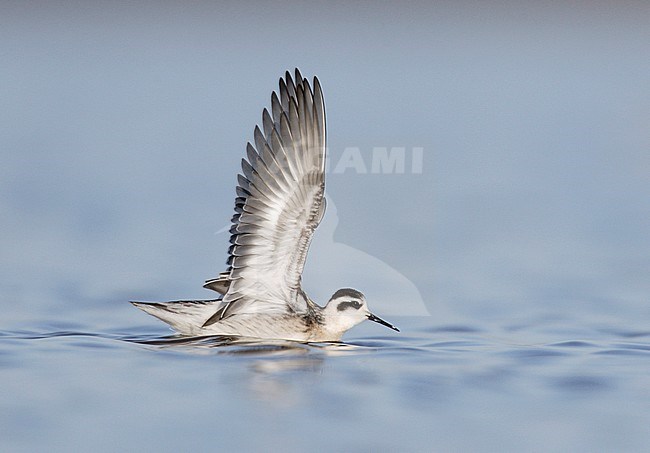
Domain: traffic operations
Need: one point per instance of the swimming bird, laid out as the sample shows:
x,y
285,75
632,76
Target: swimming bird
x,y
280,202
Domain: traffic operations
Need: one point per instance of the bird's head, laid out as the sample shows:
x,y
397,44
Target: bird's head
x,y
348,307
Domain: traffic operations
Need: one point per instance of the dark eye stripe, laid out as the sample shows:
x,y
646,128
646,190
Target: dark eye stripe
x,y
348,304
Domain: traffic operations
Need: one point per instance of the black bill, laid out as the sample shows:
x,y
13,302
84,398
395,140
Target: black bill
x,y
378,320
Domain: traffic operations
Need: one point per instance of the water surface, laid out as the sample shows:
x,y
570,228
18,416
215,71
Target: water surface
x,y
546,385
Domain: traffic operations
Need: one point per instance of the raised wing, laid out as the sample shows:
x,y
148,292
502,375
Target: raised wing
x,y
279,204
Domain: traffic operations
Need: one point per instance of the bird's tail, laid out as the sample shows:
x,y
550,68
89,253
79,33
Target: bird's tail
x,y
184,316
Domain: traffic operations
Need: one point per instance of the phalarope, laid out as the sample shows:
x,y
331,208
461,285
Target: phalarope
x,y
280,202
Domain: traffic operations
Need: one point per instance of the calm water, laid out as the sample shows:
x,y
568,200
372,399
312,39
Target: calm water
x,y
541,385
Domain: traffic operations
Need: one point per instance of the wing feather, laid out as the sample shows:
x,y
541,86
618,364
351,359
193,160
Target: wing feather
x,y
280,202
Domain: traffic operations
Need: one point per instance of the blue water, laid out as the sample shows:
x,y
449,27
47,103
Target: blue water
x,y
544,385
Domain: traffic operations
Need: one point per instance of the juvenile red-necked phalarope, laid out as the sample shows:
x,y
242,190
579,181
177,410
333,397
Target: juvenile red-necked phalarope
x,y
280,202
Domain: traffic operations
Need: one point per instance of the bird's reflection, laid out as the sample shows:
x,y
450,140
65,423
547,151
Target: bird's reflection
x,y
273,366
275,355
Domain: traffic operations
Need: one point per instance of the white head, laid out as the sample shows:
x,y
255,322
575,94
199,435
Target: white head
x,y
346,308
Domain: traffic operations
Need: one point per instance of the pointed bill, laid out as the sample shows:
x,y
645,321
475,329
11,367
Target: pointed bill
x,y
378,320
